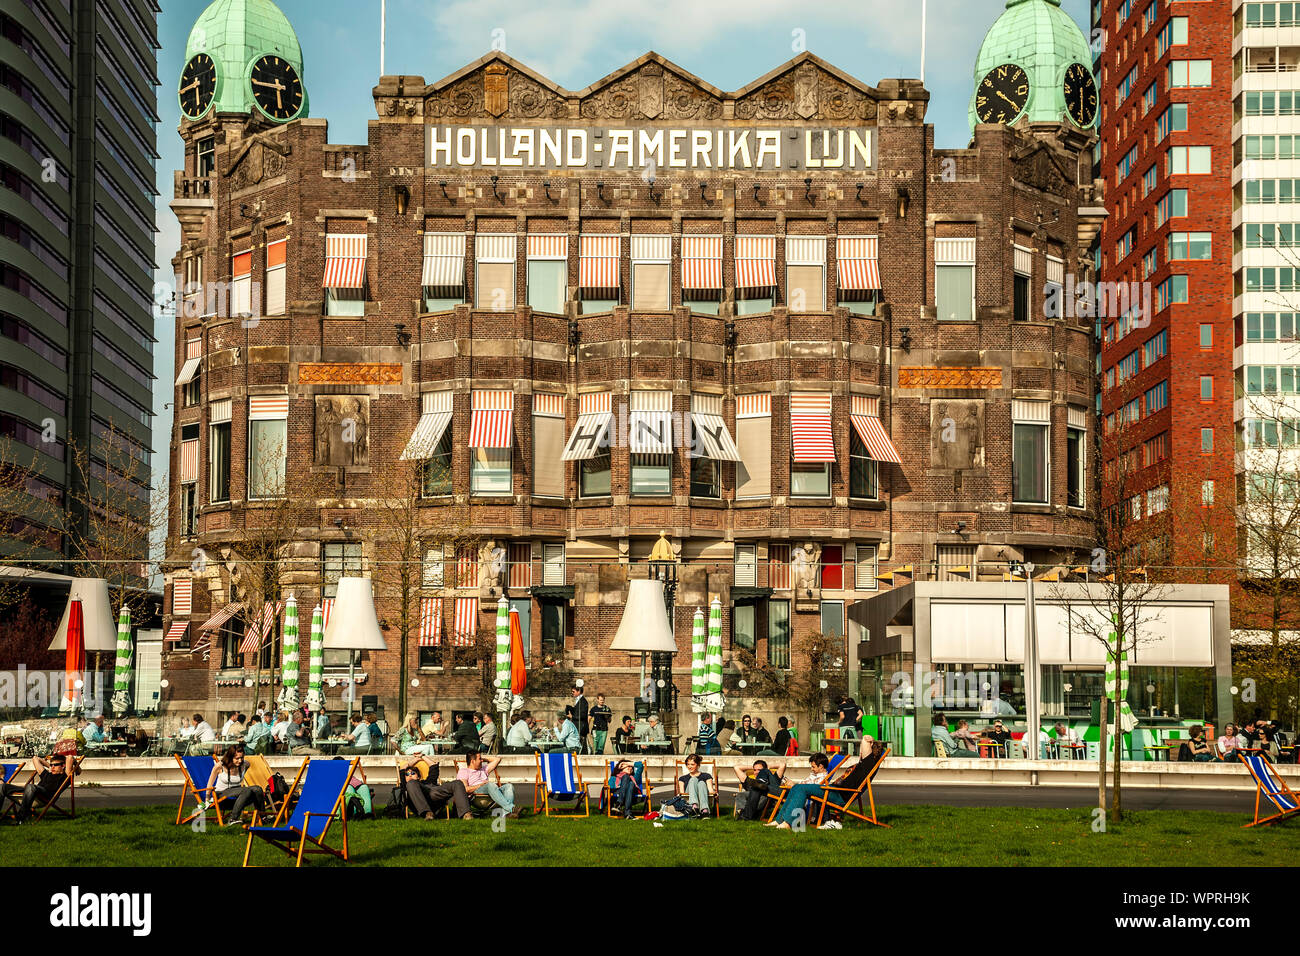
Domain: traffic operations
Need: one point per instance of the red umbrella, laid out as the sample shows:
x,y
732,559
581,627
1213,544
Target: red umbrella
x,y
518,675
75,654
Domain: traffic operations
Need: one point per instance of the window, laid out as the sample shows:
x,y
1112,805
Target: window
x,y
1126,165
832,619
189,510
1157,500
1171,205
548,445
219,461
1149,97
593,476
232,636
548,272
489,471
743,626
443,278
1029,462
345,302
1172,120
1155,449
1183,74
1126,368
1155,348
745,568
1076,450
1125,86
275,273
1174,33
345,274
706,478
553,564
702,273
1207,337
810,479
553,614
778,633
205,156
754,442
1020,298
1207,494
433,570
267,452
241,285
1150,262
1157,397
1124,247
1207,441
494,283
1189,245
863,470
755,264
805,273
954,280
435,471
338,560
1150,178
1207,388
832,568
1171,292
864,569
1187,160
651,474
651,273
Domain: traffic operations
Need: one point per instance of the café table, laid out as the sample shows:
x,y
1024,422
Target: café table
x,y
992,748
108,746
546,746
1159,752
1074,751
662,746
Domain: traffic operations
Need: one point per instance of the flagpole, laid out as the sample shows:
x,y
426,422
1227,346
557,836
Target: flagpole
x,y
383,32
923,19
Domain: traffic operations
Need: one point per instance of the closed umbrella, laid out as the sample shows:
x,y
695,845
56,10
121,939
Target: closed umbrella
x,y
289,690
503,657
713,661
122,669
699,652
74,658
1119,661
518,663
316,666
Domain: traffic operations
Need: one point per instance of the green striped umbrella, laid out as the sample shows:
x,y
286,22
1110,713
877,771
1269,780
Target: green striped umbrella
x,y
122,670
316,668
698,651
289,690
1118,659
713,661
503,693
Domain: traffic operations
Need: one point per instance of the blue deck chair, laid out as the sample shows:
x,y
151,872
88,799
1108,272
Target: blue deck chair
x,y
835,765
1270,785
558,778
10,770
643,787
195,772
320,800
45,803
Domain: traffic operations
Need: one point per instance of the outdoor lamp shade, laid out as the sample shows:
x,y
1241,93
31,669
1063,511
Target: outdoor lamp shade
x,y
353,625
100,625
644,627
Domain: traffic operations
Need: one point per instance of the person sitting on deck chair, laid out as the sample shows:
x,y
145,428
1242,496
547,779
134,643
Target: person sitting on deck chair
x,y
870,754
476,775
427,794
695,785
626,793
792,806
759,782
50,774
226,782
939,732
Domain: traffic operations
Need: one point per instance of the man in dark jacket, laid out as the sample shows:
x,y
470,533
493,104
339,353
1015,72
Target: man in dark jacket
x,y
581,710
466,736
759,783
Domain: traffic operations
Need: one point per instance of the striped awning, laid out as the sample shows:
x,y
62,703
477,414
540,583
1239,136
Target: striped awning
x,y
430,621
755,262
345,262
702,263
221,617
444,260
465,628
176,632
810,426
858,263
435,416
188,371
220,410
259,631
954,251
591,434
548,246
491,422
1056,270
189,461
712,440
1022,260
598,262
650,425
182,596
263,408
758,405
865,418
652,249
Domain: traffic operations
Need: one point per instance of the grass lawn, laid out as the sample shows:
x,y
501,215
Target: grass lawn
x,y
921,836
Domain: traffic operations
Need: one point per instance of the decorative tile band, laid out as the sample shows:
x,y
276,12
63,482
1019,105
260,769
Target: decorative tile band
x,y
934,377
349,373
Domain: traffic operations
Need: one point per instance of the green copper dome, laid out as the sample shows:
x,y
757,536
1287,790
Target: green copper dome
x,y
236,33
1044,41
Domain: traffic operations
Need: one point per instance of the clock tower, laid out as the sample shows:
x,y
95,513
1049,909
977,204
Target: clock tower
x,y
1035,67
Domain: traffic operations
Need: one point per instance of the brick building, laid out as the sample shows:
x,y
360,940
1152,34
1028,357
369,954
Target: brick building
x,y
776,325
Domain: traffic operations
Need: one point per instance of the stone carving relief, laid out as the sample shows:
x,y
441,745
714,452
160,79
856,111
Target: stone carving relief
x,y
491,566
262,159
462,98
530,99
803,93
1039,169
343,430
805,559
957,435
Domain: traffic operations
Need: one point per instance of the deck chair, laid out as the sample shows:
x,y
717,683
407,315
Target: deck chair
x,y
837,765
320,800
195,771
643,788
424,769
1269,784
67,785
485,805
8,771
558,778
706,766
257,773
851,786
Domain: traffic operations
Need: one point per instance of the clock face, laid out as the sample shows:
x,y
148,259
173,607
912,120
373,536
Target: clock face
x,y
276,88
1080,96
1002,94
198,85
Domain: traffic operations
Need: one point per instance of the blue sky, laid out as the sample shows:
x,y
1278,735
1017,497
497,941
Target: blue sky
x,y
727,43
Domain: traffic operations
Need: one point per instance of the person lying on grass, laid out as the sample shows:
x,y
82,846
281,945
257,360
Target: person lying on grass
x,y
792,806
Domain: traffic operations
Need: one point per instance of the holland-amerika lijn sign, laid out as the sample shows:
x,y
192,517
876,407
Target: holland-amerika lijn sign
x,y
653,148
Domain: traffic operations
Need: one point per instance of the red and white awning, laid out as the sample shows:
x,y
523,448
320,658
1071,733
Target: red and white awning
x,y
591,434
221,617
182,596
260,632
810,426
755,262
466,624
858,260
650,423
866,422
435,416
262,408
491,422
193,358
444,260
598,262
176,632
345,262
430,621
548,246
189,461
702,263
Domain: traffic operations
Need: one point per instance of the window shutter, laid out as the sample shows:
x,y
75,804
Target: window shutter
x,y
548,446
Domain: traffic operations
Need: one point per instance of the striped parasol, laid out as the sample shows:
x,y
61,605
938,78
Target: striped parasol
x,y
699,648
289,690
1116,658
713,661
503,656
316,669
122,668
